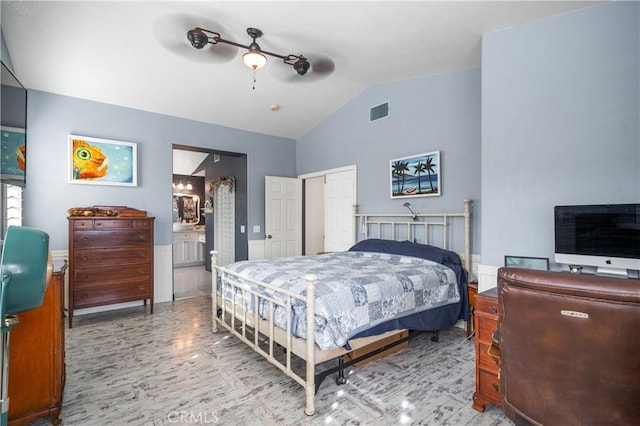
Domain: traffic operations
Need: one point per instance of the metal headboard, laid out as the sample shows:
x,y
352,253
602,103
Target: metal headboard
x,y
417,227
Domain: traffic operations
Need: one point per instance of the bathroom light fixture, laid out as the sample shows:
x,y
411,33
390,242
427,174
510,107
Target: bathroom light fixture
x,y
189,186
180,185
255,57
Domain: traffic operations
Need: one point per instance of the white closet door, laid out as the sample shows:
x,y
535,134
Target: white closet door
x,y
340,197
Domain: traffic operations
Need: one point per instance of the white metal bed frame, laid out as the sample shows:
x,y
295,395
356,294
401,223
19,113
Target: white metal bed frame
x,y
249,327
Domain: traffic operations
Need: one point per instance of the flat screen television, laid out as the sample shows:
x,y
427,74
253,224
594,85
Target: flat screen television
x,y
13,130
605,236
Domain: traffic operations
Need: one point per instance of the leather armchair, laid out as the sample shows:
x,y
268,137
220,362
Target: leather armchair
x,y
569,347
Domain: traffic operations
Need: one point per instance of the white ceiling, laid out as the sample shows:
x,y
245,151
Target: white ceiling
x,y
136,54
185,162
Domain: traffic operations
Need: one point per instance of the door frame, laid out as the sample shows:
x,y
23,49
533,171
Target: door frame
x,y
241,243
353,168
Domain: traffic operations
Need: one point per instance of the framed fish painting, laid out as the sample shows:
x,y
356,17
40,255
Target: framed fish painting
x,y
13,156
418,175
95,161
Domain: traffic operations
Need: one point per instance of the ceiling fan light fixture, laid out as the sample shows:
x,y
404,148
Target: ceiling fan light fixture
x,y
254,58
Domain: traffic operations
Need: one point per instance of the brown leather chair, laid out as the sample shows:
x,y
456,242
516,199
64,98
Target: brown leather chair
x,y
569,347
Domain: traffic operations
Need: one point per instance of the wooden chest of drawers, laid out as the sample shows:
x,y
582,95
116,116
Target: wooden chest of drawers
x,y
487,367
110,261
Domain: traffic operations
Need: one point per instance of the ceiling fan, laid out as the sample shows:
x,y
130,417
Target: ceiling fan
x,y
256,58
169,31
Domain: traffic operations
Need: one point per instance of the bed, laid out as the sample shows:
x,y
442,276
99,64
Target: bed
x,y
325,307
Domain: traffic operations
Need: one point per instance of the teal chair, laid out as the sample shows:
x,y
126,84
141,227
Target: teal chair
x,y
26,268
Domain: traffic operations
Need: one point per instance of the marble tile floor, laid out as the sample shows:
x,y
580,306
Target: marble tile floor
x,y
128,367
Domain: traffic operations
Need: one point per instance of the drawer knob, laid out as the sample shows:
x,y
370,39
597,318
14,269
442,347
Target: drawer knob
x,y
85,238
84,295
85,257
142,271
495,386
141,237
494,309
84,276
142,255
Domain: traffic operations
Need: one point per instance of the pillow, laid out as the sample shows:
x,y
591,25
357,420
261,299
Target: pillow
x,y
408,248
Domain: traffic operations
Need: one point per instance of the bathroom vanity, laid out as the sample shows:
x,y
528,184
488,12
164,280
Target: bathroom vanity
x,y
188,248
188,236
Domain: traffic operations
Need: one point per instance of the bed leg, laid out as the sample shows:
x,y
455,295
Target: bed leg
x,y
310,379
435,337
341,380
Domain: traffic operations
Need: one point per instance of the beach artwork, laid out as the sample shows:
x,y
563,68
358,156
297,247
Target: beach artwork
x,y
416,176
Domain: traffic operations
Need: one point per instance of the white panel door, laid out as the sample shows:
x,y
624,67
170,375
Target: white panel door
x,y
283,217
340,197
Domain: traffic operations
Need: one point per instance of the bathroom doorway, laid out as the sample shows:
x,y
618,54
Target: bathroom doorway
x,y
197,173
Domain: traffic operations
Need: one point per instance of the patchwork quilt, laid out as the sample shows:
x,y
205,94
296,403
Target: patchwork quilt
x,y
354,290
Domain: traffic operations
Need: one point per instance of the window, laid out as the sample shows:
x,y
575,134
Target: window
x,y
11,207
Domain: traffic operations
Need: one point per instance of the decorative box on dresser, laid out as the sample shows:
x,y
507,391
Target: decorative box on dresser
x,y
111,261
487,367
36,358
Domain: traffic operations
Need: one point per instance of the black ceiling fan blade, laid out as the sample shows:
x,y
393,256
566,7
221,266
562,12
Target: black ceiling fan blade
x,y
171,32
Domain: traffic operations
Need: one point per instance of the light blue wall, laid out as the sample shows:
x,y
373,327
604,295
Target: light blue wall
x,y
440,112
48,194
559,100
560,123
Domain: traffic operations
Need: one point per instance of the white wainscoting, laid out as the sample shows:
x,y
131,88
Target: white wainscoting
x,y
487,277
59,257
162,274
475,260
256,249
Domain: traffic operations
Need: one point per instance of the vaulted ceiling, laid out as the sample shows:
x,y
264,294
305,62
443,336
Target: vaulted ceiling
x,y
136,54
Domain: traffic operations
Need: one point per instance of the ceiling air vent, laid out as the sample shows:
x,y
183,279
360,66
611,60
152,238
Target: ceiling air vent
x,y
379,112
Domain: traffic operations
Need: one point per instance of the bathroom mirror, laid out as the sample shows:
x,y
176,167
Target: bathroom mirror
x,y
186,209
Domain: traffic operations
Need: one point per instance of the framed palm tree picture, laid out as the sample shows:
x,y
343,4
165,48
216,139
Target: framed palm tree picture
x,y
416,176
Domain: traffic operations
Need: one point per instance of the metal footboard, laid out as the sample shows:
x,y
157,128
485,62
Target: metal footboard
x,y
233,311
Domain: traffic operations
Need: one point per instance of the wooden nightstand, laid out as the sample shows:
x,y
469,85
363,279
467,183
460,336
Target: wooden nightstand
x,y
472,292
487,366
